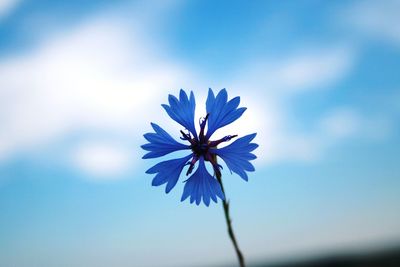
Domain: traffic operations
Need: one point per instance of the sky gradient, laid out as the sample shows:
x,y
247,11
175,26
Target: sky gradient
x,y
80,83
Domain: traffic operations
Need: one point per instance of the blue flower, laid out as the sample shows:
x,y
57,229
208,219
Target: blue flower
x,y
201,185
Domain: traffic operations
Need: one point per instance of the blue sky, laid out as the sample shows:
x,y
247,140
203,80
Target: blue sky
x,y
80,82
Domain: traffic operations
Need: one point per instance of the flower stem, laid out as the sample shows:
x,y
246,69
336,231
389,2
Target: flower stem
x,y
228,219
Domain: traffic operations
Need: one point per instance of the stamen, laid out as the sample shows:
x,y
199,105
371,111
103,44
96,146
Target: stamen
x,y
224,139
191,163
187,137
202,123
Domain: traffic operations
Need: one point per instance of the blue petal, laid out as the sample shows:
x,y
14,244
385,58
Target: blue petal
x,y
182,110
160,143
168,172
222,112
237,155
201,185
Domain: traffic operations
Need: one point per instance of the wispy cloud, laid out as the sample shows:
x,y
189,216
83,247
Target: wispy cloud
x,y
377,19
6,7
341,123
101,75
275,84
108,74
105,75
312,68
102,160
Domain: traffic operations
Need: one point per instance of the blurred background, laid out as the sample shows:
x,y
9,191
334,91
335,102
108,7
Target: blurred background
x,y
80,82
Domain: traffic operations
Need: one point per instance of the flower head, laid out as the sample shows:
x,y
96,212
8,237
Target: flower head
x,y
200,185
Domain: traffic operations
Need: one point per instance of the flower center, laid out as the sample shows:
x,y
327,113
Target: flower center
x,y
201,146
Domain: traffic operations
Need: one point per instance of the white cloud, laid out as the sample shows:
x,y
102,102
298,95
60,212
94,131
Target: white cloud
x,y
346,122
379,19
337,125
275,84
102,160
107,75
102,75
6,7
341,123
310,70
305,70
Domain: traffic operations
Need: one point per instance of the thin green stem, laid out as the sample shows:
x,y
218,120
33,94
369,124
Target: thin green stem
x,y
225,205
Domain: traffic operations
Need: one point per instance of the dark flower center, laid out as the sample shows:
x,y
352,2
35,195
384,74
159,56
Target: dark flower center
x,y
199,149
201,146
